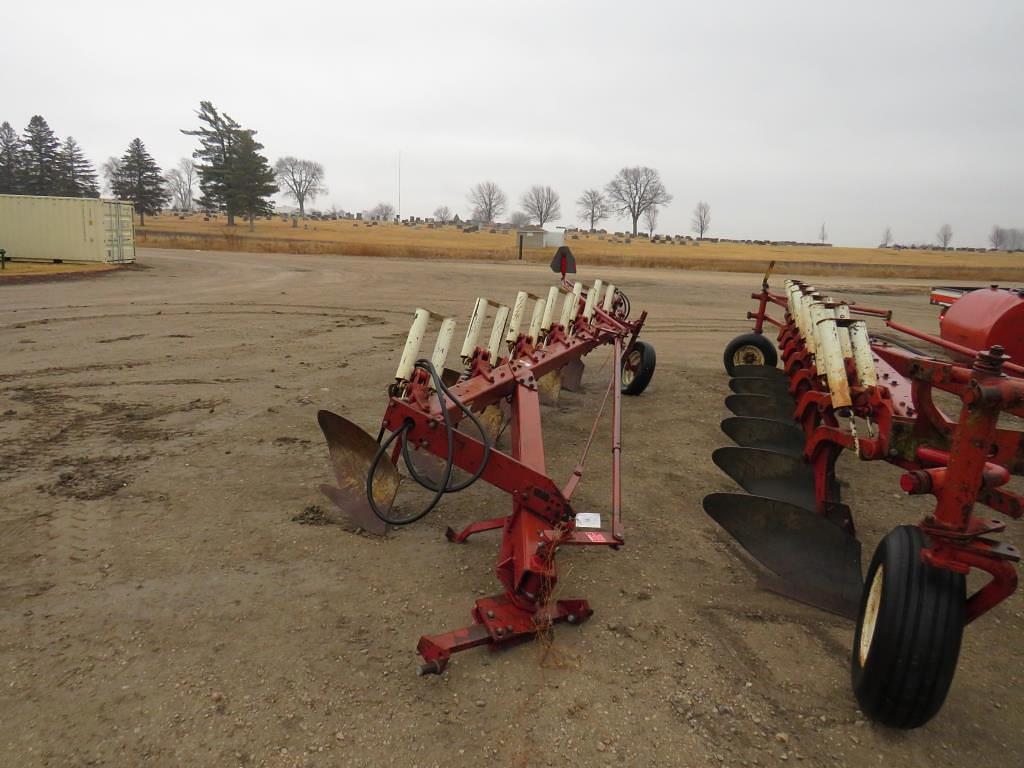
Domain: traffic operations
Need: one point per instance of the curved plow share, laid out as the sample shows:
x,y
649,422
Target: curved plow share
x,y
425,417
843,390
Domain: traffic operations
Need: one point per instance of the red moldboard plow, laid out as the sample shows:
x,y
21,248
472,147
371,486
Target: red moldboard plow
x,y
842,389
455,421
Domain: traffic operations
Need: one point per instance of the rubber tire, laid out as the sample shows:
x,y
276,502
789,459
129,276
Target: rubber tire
x,y
913,652
771,356
648,361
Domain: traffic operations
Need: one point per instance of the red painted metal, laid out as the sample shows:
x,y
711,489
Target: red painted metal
x,y
963,461
542,517
981,318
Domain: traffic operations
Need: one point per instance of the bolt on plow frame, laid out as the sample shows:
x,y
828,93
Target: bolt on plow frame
x,y
441,421
843,389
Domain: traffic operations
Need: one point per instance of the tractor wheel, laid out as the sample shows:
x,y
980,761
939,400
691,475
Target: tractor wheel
x,y
908,633
638,368
749,349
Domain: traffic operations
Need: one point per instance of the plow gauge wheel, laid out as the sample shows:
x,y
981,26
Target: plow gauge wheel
x,y
749,349
909,627
638,368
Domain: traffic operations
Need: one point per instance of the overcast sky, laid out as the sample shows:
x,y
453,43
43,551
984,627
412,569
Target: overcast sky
x,y
782,115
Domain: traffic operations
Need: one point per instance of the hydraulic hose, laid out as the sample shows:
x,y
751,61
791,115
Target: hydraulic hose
x,y
444,486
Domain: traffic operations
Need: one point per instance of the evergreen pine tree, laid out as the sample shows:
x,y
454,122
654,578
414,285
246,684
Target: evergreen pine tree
x,y
78,177
11,161
250,178
41,159
138,178
217,137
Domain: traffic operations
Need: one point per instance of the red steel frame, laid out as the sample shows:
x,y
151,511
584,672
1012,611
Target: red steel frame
x,y
961,462
542,518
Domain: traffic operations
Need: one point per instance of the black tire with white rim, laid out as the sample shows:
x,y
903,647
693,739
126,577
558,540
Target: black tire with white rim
x,y
638,368
907,642
749,349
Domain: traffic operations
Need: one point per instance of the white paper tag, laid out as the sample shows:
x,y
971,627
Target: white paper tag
x,y
588,519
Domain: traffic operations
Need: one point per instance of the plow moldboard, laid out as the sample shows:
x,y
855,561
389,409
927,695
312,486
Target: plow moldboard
x,y
352,452
761,407
815,562
767,434
748,385
759,372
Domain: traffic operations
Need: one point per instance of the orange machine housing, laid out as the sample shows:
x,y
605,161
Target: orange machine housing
x,y
988,316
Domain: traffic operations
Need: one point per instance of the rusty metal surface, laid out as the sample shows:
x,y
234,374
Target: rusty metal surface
x,y
351,453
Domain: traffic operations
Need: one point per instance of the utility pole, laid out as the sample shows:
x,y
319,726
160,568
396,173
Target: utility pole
x,y
399,185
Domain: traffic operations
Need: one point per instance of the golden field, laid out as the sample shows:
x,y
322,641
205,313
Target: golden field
x,y
393,240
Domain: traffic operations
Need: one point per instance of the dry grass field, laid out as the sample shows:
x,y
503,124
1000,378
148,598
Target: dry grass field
x,y
353,238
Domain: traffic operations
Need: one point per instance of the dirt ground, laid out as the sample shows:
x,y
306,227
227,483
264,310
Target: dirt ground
x,y
164,604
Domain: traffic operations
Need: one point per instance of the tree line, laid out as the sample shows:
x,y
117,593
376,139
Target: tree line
x,y
36,162
234,177
232,174
634,192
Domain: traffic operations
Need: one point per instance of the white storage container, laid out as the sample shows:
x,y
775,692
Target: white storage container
x,y
67,229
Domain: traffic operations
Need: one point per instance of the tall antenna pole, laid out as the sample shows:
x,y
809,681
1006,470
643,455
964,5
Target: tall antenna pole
x,y
399,185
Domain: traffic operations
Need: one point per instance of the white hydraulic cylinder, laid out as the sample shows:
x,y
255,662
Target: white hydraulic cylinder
x,y
412,344
538,315
476,322
829,358
843,313
442,345
609,297
806,326
867,374
518,310
497,331
571,306
549,309
591,302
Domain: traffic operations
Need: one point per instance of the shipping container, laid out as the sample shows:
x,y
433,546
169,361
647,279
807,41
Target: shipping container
x,y
67,229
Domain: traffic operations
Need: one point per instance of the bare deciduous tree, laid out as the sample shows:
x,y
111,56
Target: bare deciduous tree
x,y
822,233
519,219
887,237
945,235
701,219
383,211
176,188
997,238
443,214
593,207
651,219
300,180
487,201
181,183
634,190
111,170
542,204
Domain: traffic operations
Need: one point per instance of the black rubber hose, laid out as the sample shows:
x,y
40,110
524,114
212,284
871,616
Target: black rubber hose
x,y
444,486
444,392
